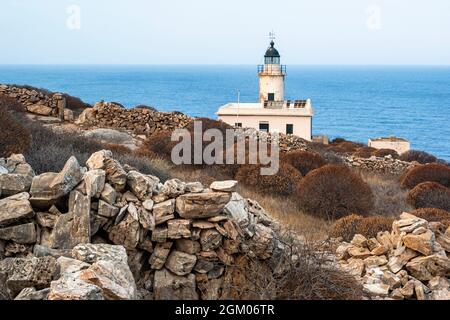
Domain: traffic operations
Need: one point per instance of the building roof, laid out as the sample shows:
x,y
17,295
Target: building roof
x,y
258,109
272,52
390,139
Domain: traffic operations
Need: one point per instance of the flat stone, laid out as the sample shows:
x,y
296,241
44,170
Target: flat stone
x,y
180,263
125,233
224,186
422,243
425,268
14,183
98,159
178,228
40,109
141,185
146,219
173,188
162,209
210,239
23,234
95,182
159,234
201,205
31,294
237,209
14,209
71,287
159,255
188,246
108,194
379,289
148,205
106,210
396,263
194,187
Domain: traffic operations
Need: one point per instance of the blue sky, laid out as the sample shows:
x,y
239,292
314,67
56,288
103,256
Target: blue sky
x,y
224,32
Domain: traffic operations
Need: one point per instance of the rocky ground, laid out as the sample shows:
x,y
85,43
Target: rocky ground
x,y
410,262
106,231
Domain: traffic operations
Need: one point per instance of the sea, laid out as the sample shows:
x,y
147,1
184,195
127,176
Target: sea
x,y
351,102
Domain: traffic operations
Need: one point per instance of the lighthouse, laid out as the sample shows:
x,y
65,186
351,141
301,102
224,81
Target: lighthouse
x,y
271,77
273,112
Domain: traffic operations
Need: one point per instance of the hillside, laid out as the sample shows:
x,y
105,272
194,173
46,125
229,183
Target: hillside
x,y
335,211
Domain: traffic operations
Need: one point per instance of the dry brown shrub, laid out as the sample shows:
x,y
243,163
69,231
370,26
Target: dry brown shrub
x,y
348,227
432,172
304,161
333,192
433,215
430,195
381,153
419,156
282,183
365,152
159,143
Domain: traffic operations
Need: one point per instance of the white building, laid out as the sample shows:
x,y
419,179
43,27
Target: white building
x,y
400,145
272,113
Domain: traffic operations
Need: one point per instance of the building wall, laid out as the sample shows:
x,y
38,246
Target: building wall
x,y
399,146
302,125
271,84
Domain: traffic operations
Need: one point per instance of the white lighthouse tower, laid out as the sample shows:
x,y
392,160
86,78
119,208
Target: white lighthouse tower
x,y
271,77
272,113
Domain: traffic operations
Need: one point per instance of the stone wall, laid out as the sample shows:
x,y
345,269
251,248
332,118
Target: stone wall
x,y
386,164
107,231
410,262
137,120
39,102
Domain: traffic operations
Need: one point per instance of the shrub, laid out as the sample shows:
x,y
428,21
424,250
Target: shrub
x,y
14,138
381,153
304,161
282,183
365,152
433,215
75,104
419,156
159,143
333,192
348,227
433,172
346,147
430,195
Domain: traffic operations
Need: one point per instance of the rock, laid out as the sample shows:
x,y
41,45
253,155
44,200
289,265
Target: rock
x,y
394,281
141,185
375,261
48,187
379,289
178,228
180,263
108,194
106,210
24,273
17,181
114,279
425,268
194,187
397,295
396,263
210,239
172,287
188,246
422,243
91,253
69,265
162,210
408,224
408,289
98,160
23,234
14,209
174,188
40,251
359,241
71,287
236,208
40,109
159,255
32,294
146,219
440,288
262,243
159,234
126,233
203,265
384,238
148,205
95,182
47,219
201,224
224,186
115,174
201,205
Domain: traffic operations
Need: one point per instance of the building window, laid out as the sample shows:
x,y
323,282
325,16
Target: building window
x,y
271,97
264,126
238,125
289,129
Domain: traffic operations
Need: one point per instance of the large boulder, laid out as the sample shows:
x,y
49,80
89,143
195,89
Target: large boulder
x,y
23,234
141,185
201,205
15,176
15,209
40,109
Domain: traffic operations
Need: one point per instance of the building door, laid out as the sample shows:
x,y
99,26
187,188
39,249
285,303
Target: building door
x,y
289,129
264,126
271,97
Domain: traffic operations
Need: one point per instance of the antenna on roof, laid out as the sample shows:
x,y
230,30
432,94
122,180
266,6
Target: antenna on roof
x,y
272,35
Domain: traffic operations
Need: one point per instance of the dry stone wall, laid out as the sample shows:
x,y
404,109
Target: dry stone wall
x,y
107,231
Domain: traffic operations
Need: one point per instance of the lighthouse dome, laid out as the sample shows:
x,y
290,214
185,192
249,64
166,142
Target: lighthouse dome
x,y
272,52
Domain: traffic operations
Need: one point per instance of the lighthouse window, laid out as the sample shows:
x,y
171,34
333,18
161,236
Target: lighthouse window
x,y
289,129
271,97
238,124
264,126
